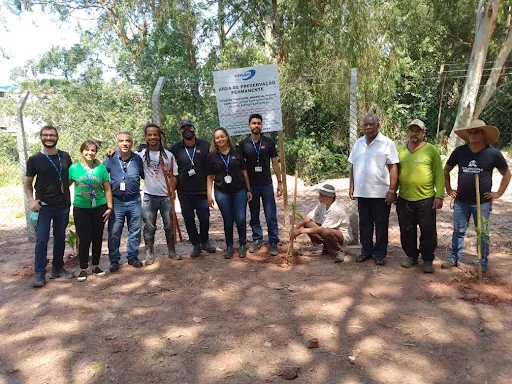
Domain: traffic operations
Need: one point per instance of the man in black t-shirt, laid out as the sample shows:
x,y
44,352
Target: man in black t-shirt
x,y
258,151
190,154
50,168
476,157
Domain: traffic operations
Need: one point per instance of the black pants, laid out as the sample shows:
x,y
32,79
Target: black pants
x,y
89,229
412,214
192,205
373,213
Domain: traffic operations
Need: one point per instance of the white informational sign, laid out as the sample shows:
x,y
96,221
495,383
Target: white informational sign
x,y
243,91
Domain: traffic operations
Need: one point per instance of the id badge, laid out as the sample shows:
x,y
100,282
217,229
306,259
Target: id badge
x,y
122,186
93,202
228,179
192,172
258,169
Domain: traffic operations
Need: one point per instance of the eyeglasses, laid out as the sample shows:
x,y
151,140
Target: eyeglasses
x,y
48,135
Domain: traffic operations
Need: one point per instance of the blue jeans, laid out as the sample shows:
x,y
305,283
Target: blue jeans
x,y
151,204
60,218
131,210
233,208
266,193
461,214
190,206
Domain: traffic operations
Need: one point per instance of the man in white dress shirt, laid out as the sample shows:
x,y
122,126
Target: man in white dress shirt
x,y
373,178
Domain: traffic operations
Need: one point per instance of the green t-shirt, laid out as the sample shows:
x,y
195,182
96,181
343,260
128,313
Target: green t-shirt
x,y
420,174
84,179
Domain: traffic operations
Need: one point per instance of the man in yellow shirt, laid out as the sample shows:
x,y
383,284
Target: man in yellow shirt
x,y
421,193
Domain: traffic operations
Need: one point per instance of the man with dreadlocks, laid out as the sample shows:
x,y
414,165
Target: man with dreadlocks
x,y
160,172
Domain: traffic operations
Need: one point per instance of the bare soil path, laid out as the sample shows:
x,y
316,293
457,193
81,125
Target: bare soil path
x,y
250,320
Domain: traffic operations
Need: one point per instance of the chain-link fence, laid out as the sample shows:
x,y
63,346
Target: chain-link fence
x,y
437,107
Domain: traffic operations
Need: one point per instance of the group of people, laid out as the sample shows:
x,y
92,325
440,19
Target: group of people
x,y
110,193
233,177
413,177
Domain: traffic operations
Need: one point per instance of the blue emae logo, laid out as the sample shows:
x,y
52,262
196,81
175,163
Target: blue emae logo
x,y
246,75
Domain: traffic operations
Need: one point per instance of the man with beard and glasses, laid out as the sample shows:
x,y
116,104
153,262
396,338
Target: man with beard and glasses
x,y
190,154
50,168
421,193
373,177
258,151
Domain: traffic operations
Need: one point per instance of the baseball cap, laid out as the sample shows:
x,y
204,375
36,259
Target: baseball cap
x,y
418,123
186,122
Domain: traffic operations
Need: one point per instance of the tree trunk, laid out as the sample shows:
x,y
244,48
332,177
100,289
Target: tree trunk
x,y
221,19
497,69
485,23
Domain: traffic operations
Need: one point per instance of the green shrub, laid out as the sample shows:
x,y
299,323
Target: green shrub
x,y
315,161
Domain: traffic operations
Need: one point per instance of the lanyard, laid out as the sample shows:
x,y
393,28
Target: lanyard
x,y
193,155
226,163
122,168
258,150
88,177
59,171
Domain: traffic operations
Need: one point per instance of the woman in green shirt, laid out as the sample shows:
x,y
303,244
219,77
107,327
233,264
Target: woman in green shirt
x,y
92,206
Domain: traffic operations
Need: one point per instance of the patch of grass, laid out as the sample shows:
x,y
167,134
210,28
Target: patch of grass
x,y
98,366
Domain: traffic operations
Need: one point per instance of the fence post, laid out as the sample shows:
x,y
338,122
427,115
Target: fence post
x,y
352,208
155,101
23,157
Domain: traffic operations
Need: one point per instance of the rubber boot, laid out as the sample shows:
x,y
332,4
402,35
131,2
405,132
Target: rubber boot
x,y
170,248
150,254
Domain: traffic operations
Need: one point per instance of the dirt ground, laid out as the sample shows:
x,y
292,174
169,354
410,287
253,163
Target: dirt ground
x,y
252,320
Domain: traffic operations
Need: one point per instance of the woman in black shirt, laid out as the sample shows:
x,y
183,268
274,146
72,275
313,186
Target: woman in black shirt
x,y
226,170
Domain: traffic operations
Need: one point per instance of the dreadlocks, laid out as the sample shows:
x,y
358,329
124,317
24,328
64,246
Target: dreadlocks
x,y
161,141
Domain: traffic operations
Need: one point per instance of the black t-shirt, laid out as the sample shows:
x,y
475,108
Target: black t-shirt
x,y
215,166
195,184
48,186
470,164
267,151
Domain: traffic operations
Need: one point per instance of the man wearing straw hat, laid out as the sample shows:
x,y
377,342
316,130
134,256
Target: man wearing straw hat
x,y
421,185
476,157
327,223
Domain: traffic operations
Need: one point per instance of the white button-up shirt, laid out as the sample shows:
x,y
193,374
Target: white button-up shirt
x,y
335,217
369,166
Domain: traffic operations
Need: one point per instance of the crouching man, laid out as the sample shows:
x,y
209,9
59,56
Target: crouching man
x,y
327,224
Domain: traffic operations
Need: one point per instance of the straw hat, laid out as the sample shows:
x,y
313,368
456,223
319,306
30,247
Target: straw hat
x,y
492,133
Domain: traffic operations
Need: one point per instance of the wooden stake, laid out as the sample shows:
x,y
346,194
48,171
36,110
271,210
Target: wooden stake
x,y
478,228
283,175
294,213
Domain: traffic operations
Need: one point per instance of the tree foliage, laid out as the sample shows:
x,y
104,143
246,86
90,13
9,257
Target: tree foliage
x,y
408,54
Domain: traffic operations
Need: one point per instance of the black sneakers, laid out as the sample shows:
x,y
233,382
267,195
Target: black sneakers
x,y
136,263
273,249
242,250
229,252
97,271
196,251
208,247
114,266
82,276
39,281
61,272
256,245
